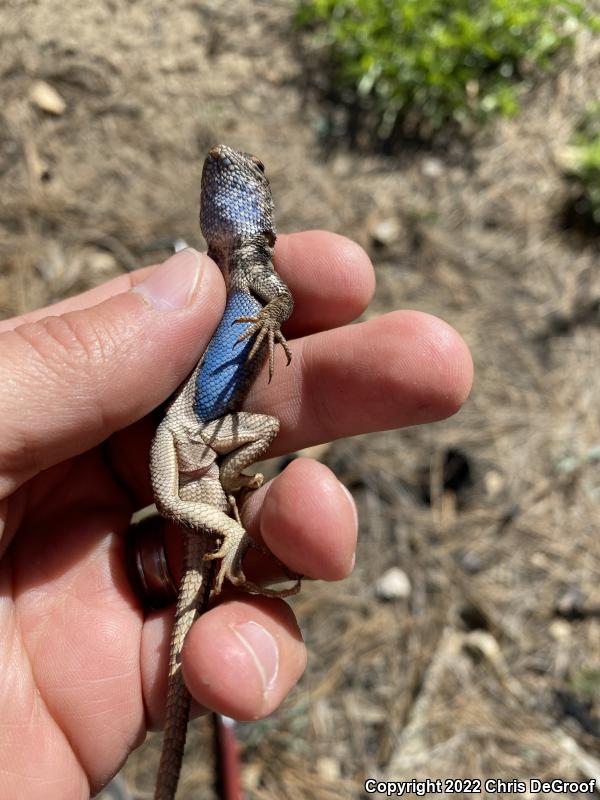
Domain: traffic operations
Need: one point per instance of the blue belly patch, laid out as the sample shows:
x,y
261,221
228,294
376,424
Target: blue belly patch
x,y
226,369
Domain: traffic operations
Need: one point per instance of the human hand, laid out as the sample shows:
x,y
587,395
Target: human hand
x,y
83,667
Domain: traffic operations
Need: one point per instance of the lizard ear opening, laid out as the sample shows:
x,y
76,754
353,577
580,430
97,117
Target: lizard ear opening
x,y
256,161
270,237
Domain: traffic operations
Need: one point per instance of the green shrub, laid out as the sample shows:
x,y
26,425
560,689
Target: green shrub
x,y
427,63
586,682
582,162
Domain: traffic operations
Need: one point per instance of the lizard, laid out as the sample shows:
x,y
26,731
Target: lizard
x,y
204,442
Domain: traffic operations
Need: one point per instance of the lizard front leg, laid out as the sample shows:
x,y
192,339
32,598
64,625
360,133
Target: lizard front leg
x,y
266,325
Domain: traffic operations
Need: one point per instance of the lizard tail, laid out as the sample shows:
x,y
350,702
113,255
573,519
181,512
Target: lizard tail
x,y
193,599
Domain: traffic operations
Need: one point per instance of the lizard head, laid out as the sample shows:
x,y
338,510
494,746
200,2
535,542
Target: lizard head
x,y
235,200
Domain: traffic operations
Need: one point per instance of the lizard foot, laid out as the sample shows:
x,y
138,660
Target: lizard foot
x,y
263,326
232,551
241,481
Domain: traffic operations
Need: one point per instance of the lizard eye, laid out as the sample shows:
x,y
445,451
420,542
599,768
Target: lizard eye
x,y
258,163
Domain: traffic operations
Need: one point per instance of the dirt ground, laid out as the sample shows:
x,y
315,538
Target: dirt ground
x,y
489,665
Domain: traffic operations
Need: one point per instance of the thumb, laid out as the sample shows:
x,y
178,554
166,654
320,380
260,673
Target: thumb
x,y
67,382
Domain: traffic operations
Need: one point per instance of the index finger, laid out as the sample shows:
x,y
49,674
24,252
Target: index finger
x,y
331,279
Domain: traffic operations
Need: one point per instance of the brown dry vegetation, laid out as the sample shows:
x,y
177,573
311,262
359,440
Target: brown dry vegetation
x,y
491,666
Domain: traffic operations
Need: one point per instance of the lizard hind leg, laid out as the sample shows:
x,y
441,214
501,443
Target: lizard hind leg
x,y
232,552
240,438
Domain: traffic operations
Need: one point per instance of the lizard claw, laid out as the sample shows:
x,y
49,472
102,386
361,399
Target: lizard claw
x,y
232,552
264,326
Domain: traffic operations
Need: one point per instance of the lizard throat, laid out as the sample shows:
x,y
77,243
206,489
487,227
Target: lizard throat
x,y
236,256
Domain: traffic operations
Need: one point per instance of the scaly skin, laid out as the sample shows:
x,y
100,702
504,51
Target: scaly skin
x,y
204,443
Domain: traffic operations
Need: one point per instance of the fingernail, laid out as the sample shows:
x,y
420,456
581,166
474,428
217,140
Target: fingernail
x,y
352,503
355,512
171,285
263,650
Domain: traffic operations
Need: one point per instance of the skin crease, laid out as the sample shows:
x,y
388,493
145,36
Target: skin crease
x,y
83,668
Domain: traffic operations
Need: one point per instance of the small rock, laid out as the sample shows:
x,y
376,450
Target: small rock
x,y
432,167
179,244
328,769
484,643
539,560
47,98
252,775
570,604
386,232
493,482
568,159
560,629
471,563
393,585
97,263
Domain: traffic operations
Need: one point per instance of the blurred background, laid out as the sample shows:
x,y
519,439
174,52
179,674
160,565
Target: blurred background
x,y
459,143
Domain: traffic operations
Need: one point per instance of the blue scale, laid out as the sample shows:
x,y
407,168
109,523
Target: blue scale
x,y
226,368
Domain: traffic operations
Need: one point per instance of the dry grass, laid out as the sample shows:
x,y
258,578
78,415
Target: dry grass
x,y
478,673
